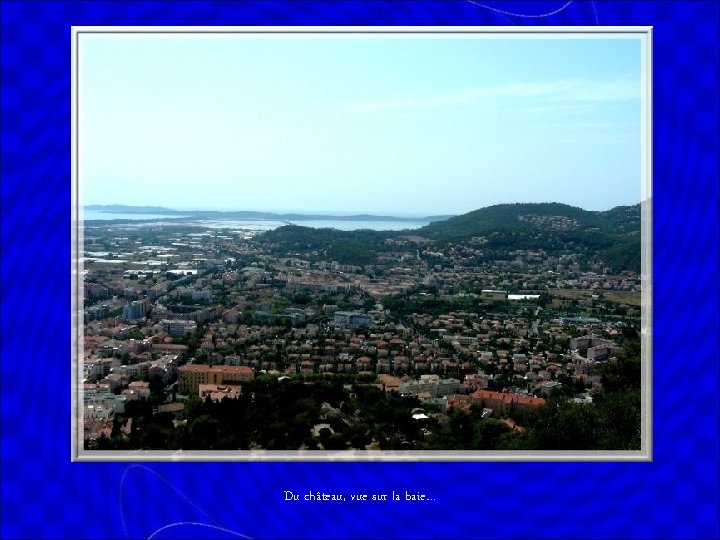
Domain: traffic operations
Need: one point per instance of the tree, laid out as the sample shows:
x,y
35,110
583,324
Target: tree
x,y
155,437
487,433
563,425
310,443
203,433
324,436
358,435
622,373
335,442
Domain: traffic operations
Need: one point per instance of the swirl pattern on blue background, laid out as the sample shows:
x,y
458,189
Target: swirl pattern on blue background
x,y
45,495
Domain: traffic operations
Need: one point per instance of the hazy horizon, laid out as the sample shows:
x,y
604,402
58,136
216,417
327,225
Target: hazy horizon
x,y
328,213
348,125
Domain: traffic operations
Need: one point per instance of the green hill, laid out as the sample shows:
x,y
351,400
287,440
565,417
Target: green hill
x,y
347,247
526,217
611,236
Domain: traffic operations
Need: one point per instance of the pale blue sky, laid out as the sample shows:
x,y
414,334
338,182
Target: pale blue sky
x,y
386,126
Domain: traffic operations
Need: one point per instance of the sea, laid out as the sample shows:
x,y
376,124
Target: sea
x,y
263,224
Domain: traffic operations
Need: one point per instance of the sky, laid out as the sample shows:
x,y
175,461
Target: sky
x,y
345,124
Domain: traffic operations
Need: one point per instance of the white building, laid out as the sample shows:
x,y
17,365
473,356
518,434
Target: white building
x,y
435,386
353,318
178,327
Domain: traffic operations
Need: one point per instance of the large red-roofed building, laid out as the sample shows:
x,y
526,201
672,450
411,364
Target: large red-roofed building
x,y
503,403
191,376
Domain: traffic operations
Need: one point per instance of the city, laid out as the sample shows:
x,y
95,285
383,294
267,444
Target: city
x,y
455,336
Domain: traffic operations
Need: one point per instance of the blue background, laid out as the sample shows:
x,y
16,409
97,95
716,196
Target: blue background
x,y
44,495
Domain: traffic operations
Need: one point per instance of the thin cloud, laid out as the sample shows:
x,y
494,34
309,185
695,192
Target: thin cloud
x,y
564,91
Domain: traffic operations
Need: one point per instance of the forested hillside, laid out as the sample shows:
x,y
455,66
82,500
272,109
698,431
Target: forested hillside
x,y
612,237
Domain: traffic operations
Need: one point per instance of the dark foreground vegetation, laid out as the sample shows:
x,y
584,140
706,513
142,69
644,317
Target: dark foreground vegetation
x,y
349,413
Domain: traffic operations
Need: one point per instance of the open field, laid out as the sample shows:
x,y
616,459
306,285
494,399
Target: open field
x,y
624,297
631,298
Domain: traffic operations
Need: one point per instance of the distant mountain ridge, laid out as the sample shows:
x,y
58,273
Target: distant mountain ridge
x,y
249,214
121,208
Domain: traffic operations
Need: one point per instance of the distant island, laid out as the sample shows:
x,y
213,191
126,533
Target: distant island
x,y
612,236
249,214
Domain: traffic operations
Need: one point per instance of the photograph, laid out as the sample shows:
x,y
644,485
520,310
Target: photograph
x,y
359,269
362,244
